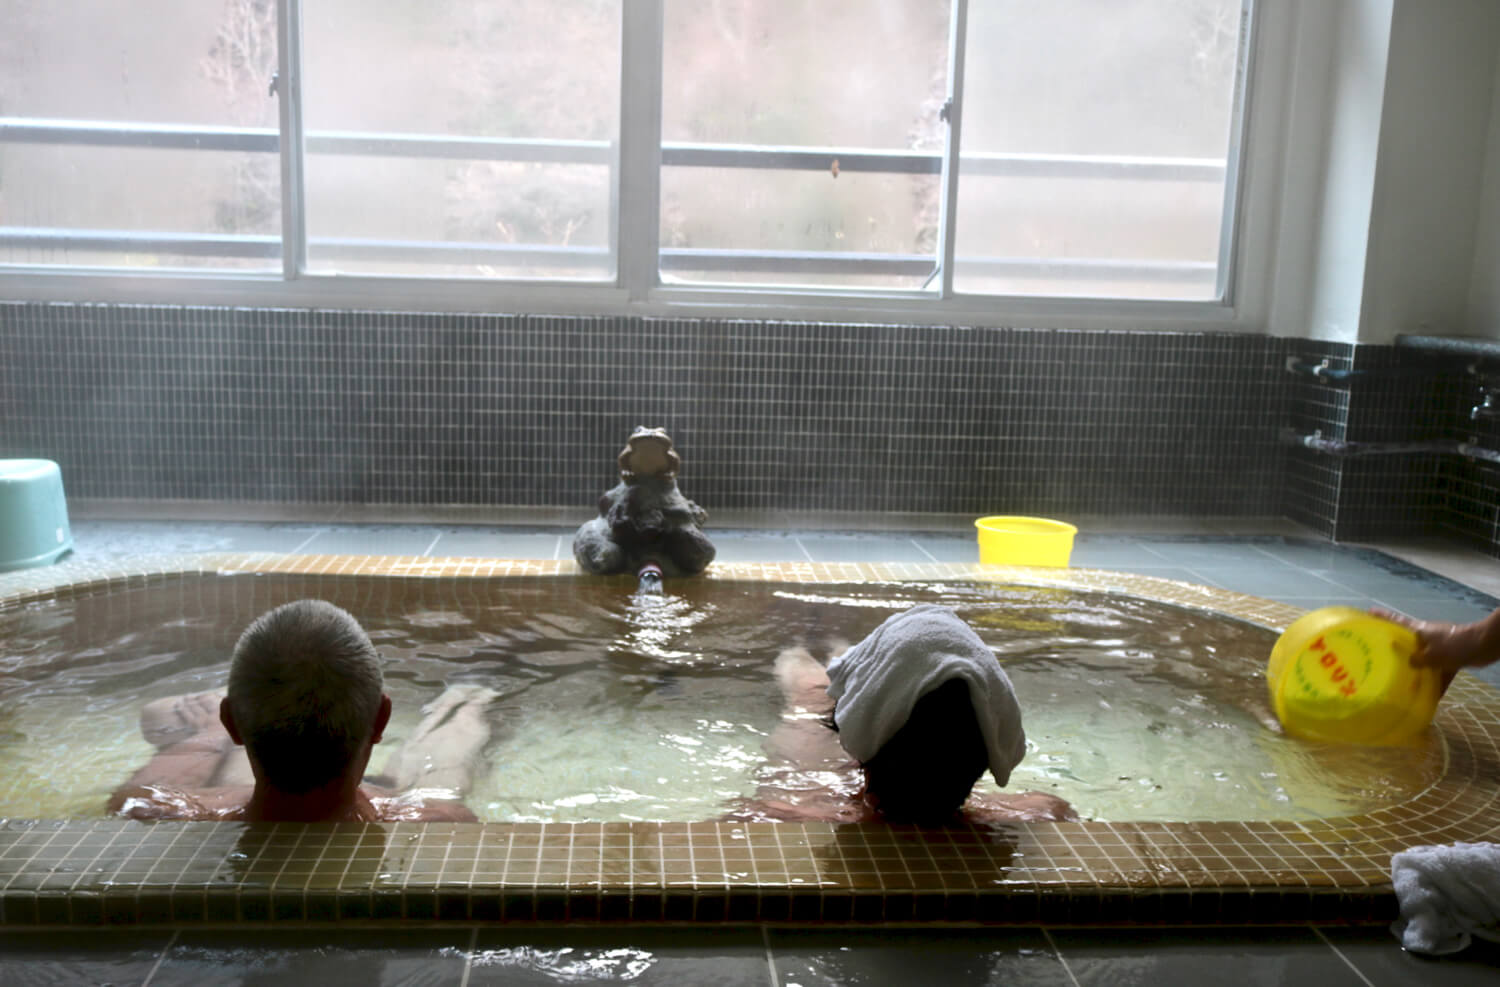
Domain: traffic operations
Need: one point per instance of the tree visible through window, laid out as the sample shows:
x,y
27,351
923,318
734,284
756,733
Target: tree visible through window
x,y
498,121
1096,136
792,87
239,66
114,200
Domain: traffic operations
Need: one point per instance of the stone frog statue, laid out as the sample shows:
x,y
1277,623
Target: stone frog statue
x,y
645,518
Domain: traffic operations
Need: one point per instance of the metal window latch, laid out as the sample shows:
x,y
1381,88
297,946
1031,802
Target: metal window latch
x,y
275,81
946,111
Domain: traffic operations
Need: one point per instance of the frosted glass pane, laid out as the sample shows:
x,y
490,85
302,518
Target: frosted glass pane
x,y
520,70
776,75
162,64
1095,139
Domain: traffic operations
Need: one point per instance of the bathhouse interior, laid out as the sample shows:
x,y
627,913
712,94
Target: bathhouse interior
x,y
365,301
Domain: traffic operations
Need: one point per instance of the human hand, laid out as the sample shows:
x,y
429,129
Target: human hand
x,y
1448,647
177,718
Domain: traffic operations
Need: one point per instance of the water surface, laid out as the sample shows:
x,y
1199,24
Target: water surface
x,y
614,706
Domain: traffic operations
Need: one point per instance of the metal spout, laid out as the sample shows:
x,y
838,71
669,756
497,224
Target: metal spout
x,y
1485,408
649,578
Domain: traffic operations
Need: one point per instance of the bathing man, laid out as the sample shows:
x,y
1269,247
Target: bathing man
x,y
306,703
922,707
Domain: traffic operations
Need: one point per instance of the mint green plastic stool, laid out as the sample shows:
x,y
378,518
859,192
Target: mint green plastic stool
x,y
33,514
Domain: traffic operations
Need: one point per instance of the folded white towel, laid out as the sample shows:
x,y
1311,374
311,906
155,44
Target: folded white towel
x,y
877,682
1448,893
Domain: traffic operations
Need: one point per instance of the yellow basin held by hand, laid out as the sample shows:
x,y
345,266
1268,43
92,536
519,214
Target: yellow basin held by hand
x,y
1340,674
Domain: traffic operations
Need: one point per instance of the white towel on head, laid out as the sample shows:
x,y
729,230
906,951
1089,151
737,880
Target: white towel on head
x,y
1448,893
876,683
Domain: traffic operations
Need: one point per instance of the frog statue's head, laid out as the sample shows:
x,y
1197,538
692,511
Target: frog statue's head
x,y
648,452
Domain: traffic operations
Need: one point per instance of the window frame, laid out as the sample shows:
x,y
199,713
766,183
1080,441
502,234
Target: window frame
x,y
1252,176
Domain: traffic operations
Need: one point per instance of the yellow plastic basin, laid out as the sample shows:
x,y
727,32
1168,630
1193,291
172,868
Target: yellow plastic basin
x,y
1339,674
1024,541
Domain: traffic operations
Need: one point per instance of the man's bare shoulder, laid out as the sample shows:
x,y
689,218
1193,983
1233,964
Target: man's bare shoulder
x,y
413,807
990,807
148,802
151,802
822,805
828,806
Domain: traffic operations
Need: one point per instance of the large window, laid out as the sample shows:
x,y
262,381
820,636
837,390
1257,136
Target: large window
x,y
802,142
917,151
1096,138
138,140
467,139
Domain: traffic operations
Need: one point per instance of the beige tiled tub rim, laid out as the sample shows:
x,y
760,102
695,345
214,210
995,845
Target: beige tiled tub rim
x,y
71,578
83,871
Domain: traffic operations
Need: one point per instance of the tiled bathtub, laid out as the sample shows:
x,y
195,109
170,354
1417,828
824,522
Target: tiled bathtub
x,y
109,871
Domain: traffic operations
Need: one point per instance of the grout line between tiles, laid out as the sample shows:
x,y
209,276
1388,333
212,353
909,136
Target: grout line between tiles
x,y
1142,545
765,938
35,852
177,837
1272,556
91,866
303,544
161,958
1052,943
1340,954
1200,578
463,981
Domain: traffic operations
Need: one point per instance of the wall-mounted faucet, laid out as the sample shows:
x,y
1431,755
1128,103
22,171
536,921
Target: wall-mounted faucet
x,y
1487,407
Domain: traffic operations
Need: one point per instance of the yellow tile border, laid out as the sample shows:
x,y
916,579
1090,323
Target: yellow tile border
x,y
108,870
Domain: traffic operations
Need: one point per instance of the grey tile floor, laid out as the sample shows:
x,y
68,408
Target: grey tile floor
x,y
1273,956
1293,568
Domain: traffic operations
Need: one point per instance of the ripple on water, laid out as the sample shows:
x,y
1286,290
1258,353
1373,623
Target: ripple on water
x,y
615,706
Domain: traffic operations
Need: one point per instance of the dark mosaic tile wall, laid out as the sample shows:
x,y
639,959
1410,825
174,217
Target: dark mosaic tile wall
x,y
296,406
1397,396
395,408
1401,396
1312,481
1470,488
1390,496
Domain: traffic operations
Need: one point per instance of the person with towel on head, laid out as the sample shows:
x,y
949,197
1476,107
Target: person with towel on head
x,y
922,707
